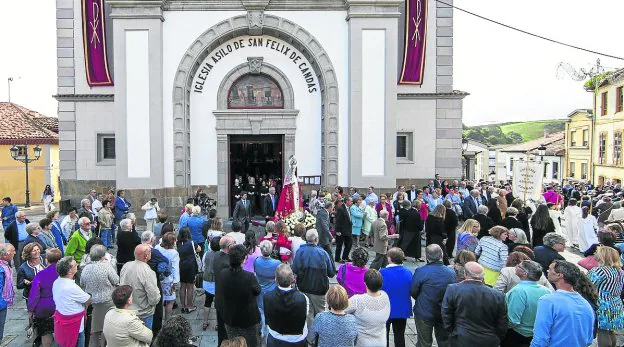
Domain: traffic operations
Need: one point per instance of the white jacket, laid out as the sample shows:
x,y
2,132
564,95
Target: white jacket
x,y
151,211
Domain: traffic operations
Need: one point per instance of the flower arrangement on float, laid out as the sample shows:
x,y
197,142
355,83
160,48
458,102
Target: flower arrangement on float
x,y
305,217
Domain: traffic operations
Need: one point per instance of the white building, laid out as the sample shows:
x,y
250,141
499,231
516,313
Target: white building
x,y
476,160
508,156
208,89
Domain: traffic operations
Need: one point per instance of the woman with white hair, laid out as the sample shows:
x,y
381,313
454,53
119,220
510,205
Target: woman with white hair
x,y
99,279
516,237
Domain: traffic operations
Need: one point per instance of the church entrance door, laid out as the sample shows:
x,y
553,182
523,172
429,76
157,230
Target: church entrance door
x,y
253,160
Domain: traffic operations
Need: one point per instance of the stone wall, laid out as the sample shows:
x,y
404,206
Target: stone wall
x,y
170,200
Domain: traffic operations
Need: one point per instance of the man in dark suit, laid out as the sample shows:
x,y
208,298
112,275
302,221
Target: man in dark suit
x,y
269,204
322,226
343,231
484,221
485,194
472,203
221,261
437,183
16,235
473,313
242,211
411,194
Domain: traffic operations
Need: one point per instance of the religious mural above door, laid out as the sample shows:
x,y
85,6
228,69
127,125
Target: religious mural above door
x,y
255,91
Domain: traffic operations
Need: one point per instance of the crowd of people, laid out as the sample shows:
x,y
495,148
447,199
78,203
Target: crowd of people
x,y
493,273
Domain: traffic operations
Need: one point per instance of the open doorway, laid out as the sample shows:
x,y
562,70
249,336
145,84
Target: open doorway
x,y
254,159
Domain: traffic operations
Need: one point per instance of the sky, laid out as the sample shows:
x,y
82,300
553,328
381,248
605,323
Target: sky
x,y
510,76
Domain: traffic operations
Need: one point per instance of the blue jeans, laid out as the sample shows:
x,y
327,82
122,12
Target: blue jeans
x,y
81,340
3,314
148,321
105,235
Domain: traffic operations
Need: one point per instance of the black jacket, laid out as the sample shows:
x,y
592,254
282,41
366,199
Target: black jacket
x,y
221,261
450,223
511,222
343,221
267,206
545,255
538,234
322,226
11,234
474,315
239,308
524,219
126,242
285,311
485,222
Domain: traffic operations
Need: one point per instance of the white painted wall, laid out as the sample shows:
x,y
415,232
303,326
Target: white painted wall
x,y
331,29
137,103
181,28
429,77
203,122
418,117
93,118
373,101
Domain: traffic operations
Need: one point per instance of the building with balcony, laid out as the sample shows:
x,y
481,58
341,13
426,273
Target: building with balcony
x,y
608,167
578,141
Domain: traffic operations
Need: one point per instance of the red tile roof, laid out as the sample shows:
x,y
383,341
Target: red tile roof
x,y
21,126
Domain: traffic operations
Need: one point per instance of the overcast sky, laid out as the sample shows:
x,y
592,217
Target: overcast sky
x,y
510,76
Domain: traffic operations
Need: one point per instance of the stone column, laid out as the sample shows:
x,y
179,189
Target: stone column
x,y
137,38
373,26
223,177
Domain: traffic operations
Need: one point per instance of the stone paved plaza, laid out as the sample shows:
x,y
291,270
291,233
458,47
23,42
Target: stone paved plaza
x,y
17,317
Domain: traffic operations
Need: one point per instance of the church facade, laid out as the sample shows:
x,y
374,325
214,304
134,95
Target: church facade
x,y
161,97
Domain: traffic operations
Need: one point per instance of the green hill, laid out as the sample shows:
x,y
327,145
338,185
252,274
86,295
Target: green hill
x,y
534,129
513,132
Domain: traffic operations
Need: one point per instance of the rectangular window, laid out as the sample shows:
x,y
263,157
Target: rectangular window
x,y
603,103
404,146
555,170
572,169
585,137
617,148
619,99
267,96
584,171
602,148
106,148
572,138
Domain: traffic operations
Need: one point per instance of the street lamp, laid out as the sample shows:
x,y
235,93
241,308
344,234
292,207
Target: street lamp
x,y
541,151
24,158
464,144
466,159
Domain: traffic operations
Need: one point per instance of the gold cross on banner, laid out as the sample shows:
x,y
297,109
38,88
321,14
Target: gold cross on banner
x,y
416,20
95,25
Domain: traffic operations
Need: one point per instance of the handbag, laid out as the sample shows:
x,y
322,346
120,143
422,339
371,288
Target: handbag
x,y
199,276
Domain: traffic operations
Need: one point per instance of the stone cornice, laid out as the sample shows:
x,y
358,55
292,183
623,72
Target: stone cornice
x,y
137,9
456,94
273,5
373,8
84,97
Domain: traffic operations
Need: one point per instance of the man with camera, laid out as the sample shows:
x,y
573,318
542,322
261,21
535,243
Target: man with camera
x,y
151,209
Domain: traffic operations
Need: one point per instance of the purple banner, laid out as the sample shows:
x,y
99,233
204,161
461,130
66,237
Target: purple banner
x,y
415,42
94,41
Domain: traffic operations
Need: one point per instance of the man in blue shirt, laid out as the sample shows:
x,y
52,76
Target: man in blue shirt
x,y
522,304
564,318
428,287
8,212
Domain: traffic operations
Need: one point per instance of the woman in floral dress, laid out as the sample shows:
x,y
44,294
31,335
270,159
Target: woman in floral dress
x,y
609,280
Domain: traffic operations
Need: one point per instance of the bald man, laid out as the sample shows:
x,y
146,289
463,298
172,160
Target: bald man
x,y
221,261
145,291
473,313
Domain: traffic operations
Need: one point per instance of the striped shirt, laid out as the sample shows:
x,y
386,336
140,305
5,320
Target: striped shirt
x,y
493,253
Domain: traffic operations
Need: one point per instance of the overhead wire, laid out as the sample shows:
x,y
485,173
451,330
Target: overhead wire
x,y
529,33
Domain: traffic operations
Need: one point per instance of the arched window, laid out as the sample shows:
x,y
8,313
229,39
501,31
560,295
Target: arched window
x,y
255,91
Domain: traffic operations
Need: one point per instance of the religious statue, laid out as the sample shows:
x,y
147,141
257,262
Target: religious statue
x,y
290,200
